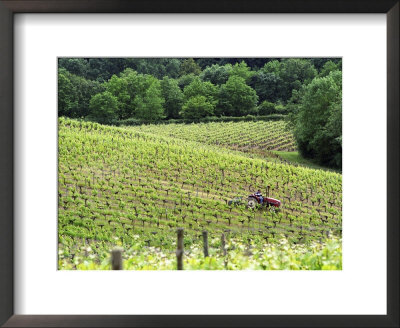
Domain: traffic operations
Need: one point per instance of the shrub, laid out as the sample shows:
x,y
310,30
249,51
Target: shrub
x,y
197,107
266,108
103,108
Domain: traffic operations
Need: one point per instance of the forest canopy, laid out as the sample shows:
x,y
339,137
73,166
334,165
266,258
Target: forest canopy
x,y
112,90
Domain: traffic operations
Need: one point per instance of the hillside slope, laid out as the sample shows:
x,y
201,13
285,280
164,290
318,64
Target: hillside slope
x,y
119,184
259,137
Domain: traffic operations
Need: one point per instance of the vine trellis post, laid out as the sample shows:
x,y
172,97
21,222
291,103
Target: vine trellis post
x,y
205,243
116,259
179,250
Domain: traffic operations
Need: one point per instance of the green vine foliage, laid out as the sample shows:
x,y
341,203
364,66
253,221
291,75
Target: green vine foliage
x,y
133,187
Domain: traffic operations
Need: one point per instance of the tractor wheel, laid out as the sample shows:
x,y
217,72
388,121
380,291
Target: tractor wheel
x,y
251,202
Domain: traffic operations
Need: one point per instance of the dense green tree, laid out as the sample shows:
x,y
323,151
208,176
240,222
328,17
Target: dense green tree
x,y
334,135
149,107
317,122
236,98
216,74
320,62
173,97
293,103
185,80
205,62
189,66
281,108
231,86
273,66
199,96
127,87
197,107
254,63
242,70
293,73
74,94
328,67
66,97
119,88
76,66
266,108
200,88
84,90
103,108
158,67
268,86
101,69
172,67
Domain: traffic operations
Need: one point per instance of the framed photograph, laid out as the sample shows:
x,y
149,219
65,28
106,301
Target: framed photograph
x,y
199,164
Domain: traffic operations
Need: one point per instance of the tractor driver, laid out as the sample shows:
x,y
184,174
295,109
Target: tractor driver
x,y
258,194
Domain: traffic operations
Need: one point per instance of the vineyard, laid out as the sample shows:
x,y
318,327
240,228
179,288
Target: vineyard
x,y
259,255
133,187
258,137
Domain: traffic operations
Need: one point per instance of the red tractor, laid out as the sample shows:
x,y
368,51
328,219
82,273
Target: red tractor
x,y
257,199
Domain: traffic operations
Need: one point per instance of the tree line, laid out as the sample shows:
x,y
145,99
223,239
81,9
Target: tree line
x,y
108,90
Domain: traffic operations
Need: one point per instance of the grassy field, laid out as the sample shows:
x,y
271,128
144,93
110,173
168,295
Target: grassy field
x,y
132,187
295,158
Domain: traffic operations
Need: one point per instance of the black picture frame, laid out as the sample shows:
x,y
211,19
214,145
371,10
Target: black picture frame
x,y
7,10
